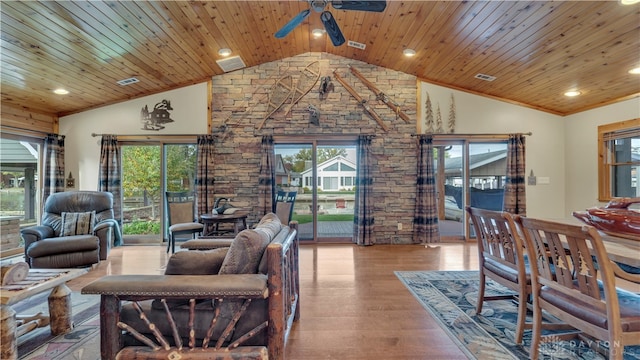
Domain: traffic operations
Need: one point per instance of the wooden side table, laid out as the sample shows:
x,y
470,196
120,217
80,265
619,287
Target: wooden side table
x,y
212,221
38,280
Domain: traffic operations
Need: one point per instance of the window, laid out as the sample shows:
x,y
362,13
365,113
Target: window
x,y
470,170
345,167
618,160
149,168
324,207
19,190
332,167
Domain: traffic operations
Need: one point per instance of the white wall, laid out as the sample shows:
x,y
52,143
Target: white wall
x,y
581,148
545,151
564,149
82,151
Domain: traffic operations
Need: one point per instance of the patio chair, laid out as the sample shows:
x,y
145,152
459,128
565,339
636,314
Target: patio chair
x,y
284,205
501,258
182,216
568,284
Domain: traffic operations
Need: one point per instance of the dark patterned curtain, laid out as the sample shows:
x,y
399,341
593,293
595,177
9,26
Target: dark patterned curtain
x,y
425,218
53,166
514,187
266,179
110,173
363,210
205,194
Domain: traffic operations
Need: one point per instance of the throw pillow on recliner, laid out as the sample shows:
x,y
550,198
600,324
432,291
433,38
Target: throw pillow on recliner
x,y
77,223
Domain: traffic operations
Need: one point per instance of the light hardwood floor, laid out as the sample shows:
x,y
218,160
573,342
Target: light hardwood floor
x,y
352,304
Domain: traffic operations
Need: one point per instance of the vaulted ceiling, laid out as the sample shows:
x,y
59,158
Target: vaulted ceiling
x,y
536,50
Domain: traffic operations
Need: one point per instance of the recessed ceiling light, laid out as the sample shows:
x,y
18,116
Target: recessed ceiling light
x,y
317,33
572,93
224,52
61,91
409,52
629,2
635,71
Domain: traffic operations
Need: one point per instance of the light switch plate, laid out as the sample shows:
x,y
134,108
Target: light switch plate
x,y
544,180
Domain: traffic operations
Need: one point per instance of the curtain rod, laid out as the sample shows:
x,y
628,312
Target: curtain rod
x,y
143,135
14,130
312,135
476,135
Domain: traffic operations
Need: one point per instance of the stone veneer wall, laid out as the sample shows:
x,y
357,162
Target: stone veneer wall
x,y
239,101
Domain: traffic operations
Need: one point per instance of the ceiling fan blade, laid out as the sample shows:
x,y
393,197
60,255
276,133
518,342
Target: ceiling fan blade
x,y
332,28
376,6
288,27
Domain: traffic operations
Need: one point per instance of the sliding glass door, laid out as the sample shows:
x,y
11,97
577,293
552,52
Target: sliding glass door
x,y
449,168
468,173
323,174
335,196
141,193
292,162
148,171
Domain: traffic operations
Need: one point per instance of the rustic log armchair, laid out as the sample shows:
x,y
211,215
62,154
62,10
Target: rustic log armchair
x,y
245,310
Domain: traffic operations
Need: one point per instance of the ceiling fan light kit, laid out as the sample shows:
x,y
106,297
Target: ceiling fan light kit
x,y
330,24
224,52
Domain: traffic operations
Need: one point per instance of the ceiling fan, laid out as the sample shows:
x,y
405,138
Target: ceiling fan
x,y
327,18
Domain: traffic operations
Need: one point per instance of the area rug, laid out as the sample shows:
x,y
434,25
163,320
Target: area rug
x,y
451,297
82,343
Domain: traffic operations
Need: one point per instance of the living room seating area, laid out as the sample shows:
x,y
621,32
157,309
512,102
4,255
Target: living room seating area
x,y
238,301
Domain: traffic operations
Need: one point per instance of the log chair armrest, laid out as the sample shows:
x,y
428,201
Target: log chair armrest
x,y
117,288
180,286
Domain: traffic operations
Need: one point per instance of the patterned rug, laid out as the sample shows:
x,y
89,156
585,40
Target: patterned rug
x,y
82,343
450,297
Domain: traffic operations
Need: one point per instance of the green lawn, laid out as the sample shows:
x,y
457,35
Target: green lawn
x,y
307,218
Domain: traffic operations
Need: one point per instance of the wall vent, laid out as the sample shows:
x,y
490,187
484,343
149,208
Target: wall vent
x,y
231,64
485,77
356,44
128,81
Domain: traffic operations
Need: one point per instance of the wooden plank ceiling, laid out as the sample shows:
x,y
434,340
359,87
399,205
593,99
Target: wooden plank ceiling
x,y
537,50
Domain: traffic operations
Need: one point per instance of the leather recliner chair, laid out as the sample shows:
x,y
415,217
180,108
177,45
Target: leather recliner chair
x,y
49,245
